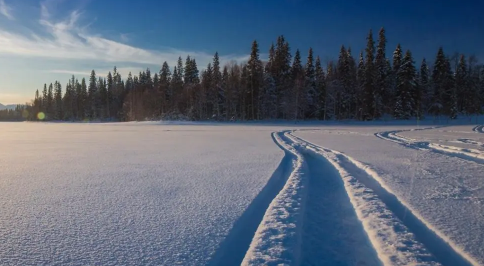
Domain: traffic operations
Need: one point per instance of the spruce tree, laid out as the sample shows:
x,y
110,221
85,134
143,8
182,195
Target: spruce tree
x,y
462,86
360,87
166,97
109,89
83,100
406,76
206,105
58,115
254,68
381,75
424,84
224,93
320,90
216,89
397,62
50,102
310,90
450,94
103,93
438,82
369,92
44,99
282,76
93,96
297,75
341,93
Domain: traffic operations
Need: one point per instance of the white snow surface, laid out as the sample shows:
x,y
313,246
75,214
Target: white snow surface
x,y
444,189
278,193
127,193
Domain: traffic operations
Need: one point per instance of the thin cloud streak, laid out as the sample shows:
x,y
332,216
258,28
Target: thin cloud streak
x,y
6,10
68,40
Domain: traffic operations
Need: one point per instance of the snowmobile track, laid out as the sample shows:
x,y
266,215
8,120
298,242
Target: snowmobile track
x,y
436,243
479,129
232,250
311,221
464,154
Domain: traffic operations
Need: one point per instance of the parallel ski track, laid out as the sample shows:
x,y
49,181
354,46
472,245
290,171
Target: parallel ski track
x,y
462,153
330,209
444,251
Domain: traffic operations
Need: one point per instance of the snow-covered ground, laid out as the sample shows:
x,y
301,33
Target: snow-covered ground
x,y
128,194
254,194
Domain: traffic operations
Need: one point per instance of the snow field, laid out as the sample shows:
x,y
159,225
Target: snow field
x,y
442,190
254,194
127,193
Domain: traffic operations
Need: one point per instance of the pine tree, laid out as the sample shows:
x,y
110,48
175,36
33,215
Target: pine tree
x,y
244,81
67,103
254,68
297,75
474,105
438,79
83,100
369,92
406,77
44,99
360,87
50,102
109,89
381,75
58,115
462,86
424,84
103,93
224,93
216,94
205,108
282,76
341,93
320,90
352,84
310,86
93,97
166,91
269,94
333,85
397,62
450,95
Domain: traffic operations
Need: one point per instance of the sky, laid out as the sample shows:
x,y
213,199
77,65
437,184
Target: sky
x,y
44,41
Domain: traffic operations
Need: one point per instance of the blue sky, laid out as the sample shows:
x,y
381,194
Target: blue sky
x,y
44,41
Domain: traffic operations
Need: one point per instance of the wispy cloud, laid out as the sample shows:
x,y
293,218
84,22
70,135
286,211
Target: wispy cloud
x,y
124,37
68,39
6,10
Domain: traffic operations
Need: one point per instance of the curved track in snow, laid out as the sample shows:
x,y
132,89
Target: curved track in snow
x,y
388,220
334,210
479,129
462,153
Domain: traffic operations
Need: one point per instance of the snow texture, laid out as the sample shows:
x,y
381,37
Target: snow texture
x,y
442,189
275,193
127,193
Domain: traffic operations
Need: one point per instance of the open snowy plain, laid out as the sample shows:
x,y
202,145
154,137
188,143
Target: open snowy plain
x,y
250,194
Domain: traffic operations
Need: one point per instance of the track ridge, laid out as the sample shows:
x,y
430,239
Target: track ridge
x,y
277,239
479,129
472,155
388,211
303,225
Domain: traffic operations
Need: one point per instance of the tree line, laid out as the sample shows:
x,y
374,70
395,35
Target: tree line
x,y
368,87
